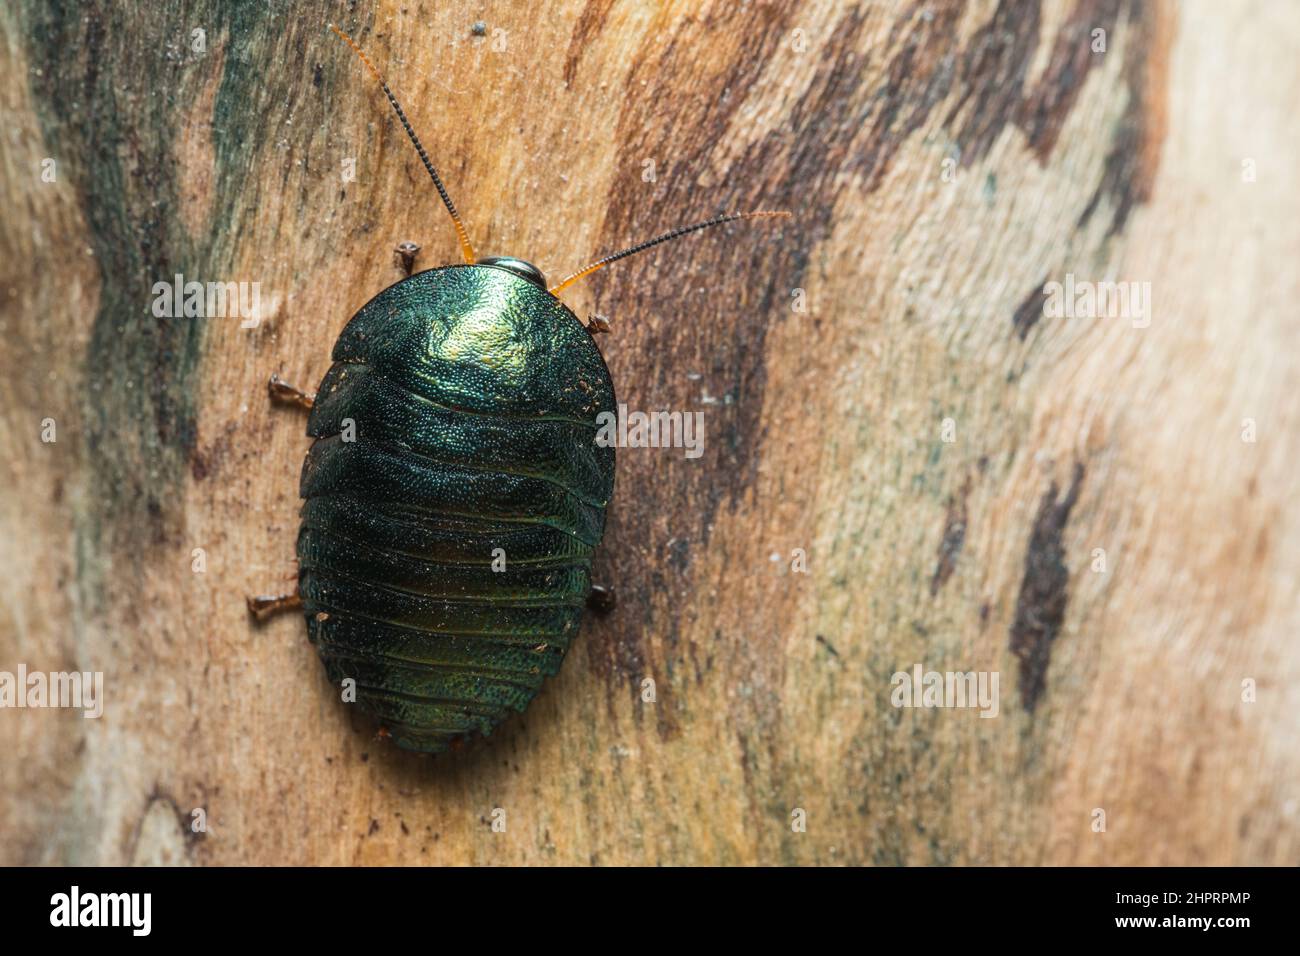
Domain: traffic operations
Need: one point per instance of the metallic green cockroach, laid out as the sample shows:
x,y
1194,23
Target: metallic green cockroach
x,y
455,491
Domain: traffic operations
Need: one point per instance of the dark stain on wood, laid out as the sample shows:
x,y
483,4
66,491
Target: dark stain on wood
x,y
1134,158
1049,103
140,371
1030,310
1044,591
206,460
821,639
746,270
836,126
954,535
190,838
992,72
917,78
588,27
138,408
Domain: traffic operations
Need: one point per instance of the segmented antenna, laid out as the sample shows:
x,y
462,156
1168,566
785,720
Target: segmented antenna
x,y
716,221
466,249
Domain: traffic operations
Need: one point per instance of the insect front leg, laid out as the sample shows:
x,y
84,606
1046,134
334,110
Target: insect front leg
x,y
406,253
265,606
282,391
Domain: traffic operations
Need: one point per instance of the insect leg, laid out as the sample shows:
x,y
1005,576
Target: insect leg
x,y
282,391
265,606
406,253
601,599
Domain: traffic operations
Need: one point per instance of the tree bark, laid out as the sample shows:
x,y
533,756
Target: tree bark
x,y
1099,510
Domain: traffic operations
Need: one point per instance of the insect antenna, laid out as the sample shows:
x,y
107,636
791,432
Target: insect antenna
x,y
641,247
466,249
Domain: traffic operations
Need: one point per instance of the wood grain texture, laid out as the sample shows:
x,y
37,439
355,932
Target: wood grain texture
x,y
1120,690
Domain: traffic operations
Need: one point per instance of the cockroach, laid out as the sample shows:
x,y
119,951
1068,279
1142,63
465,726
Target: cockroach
x,y
455,491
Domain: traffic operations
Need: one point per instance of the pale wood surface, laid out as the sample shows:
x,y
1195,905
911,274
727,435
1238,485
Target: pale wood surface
x,y
823,427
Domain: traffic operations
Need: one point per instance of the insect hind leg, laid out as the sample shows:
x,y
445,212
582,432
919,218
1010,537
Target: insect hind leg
x,y
282,391
602,599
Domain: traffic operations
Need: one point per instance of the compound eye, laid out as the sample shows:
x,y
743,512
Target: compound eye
x,y
525,270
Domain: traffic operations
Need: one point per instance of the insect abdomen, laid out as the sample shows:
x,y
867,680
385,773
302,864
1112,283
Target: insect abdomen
x,y
445,552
